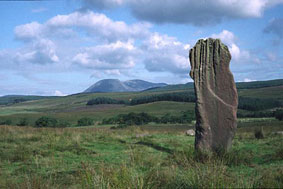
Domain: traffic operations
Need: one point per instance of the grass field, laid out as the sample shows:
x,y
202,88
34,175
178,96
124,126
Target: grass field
x,y
152,156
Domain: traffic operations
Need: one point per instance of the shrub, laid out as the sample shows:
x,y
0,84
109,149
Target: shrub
x,y
144,118
186,117
6,122
278,114
23,122
64,124
46,122
85,121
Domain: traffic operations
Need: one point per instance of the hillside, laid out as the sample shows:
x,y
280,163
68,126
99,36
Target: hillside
x,y
115,85
13,99
240,85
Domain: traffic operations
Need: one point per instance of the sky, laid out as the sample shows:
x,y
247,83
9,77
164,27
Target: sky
x,y
61,47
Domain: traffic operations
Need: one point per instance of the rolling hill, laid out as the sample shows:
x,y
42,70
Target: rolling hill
x,y
240,85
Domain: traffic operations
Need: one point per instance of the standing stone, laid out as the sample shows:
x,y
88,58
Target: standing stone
x,y
216,96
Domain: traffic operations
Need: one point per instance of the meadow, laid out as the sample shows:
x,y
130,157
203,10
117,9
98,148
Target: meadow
x,y
152,156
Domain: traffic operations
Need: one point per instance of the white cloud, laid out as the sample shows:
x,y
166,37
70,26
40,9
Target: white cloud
x,y
100,25
188,11
59,93
229,39
113,56
226,37
29,31
41,51
248,80
114,41
165,54
96,24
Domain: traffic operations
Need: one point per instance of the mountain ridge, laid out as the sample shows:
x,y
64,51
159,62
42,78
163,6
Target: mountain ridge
x,y
115,85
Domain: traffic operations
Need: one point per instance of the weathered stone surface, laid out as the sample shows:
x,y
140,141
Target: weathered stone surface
x,y
216,95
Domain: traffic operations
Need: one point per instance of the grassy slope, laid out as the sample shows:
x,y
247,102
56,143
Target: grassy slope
x,y
240,85
103,158
267,92
10,99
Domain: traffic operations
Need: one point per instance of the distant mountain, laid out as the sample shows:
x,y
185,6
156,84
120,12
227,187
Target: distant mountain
x,y
115,85
187,86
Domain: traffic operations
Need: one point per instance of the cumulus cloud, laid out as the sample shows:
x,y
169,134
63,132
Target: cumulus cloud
x,y
28,31
114,41
229,39
109,57
197,12
96,24
100,25
165,54
42,51
248,64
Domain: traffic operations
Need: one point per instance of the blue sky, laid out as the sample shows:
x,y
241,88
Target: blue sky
x,y
62,47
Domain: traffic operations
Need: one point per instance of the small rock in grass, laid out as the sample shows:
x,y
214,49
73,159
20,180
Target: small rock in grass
x,y
190,132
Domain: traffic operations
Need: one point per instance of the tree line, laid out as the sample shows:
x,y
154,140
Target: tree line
x,y
144,118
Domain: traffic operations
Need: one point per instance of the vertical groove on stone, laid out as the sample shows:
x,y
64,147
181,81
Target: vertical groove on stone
x,y
216,95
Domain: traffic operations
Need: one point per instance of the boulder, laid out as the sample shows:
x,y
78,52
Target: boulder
x,y
216,95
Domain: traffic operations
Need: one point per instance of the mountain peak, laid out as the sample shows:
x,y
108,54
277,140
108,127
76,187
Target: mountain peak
x,y
115,85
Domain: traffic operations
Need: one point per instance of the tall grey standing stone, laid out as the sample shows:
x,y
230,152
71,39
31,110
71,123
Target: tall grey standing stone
x,y
216,96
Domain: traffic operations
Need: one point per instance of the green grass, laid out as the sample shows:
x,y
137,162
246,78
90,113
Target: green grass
x,y
152,156
98,112
267,92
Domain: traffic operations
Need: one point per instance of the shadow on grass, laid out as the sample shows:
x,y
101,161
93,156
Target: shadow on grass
x,y
156,147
